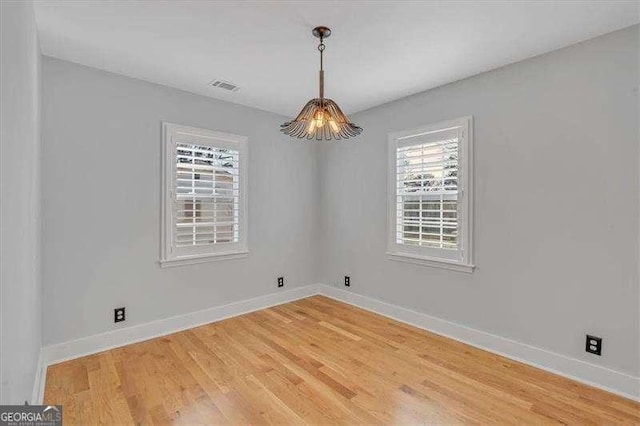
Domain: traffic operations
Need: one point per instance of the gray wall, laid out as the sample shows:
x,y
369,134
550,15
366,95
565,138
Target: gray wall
x,y
20,285
101,204
556,203
558,130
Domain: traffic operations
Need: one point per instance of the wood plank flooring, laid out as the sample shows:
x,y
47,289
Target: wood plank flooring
x,y
318,361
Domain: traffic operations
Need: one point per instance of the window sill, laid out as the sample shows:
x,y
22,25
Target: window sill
x,y
434,262
202,258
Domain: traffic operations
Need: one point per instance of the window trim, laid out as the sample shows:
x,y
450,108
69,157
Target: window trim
x,y
425,256
239,249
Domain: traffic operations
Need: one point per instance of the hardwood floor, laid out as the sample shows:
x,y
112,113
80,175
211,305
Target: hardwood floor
x,y
318,361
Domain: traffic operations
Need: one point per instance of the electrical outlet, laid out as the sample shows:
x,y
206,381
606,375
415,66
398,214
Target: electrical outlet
x,y
347,281
280,281
118,315
594,345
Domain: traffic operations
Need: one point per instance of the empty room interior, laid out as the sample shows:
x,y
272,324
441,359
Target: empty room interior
x,y
339,212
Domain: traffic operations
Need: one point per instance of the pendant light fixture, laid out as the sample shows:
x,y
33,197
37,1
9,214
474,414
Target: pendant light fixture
x,y
321,118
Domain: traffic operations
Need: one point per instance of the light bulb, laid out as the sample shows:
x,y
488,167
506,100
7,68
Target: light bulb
x,y
312,126
319,118
333,125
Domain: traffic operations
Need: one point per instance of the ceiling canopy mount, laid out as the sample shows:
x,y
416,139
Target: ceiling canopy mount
x,y
321,32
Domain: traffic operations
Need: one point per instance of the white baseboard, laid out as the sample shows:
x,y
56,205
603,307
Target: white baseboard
x,y
38,385
581,371
65,351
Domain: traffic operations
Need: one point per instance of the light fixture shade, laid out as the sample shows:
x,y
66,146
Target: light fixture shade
x,y
321,119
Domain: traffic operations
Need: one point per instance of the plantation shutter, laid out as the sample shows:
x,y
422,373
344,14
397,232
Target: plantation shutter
x,y
427,190
205,199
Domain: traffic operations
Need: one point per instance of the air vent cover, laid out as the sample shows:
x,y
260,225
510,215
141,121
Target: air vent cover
x,y
224,85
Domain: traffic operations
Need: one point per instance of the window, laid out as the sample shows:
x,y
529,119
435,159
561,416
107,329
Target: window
x,y
204,195
430,195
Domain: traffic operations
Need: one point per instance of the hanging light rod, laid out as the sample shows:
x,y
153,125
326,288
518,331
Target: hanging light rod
x,y
321,118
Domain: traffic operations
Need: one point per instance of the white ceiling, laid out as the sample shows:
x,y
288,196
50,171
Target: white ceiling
x,y
379,51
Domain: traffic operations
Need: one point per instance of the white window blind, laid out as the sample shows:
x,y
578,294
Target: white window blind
x,y
427,191
204,212
429,198
206,203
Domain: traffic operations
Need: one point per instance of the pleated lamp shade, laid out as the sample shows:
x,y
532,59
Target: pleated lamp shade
x,y
321,119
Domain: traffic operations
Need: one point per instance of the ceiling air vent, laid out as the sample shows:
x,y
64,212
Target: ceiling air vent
x,y
225,85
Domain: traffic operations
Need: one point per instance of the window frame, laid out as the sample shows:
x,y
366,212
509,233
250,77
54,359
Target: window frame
x,y
458,260
234,250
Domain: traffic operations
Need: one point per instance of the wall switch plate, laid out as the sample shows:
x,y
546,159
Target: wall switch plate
x,y
594,345
280,281
347,281
118,315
